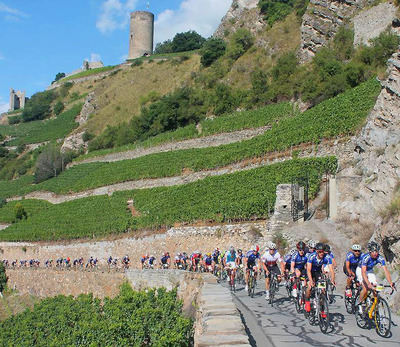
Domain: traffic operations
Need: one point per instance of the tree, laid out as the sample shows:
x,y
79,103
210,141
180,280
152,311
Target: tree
x,y
38,107
58,107
59,76
241,41
50,163
187,41
212,50
3,278
20,212
162,48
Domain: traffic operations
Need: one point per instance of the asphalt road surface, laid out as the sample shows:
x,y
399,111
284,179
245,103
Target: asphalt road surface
x,y
281,325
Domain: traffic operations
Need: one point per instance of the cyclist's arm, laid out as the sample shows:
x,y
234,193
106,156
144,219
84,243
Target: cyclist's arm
x,y
388,277
292,263
348,268
309,266
265,267
332,271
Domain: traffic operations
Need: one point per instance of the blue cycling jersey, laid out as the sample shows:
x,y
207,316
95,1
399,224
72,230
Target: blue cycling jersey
x,y
299,261
370,262
164,259
230,257
353,260
317,263
251,257
208,260
287,259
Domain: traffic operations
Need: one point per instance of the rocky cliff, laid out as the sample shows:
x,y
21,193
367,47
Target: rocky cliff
x,y
323,18
375,170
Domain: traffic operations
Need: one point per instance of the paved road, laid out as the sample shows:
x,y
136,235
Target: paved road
x,y
281,325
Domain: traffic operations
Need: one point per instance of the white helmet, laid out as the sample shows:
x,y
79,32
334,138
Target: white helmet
x,y
356,247
253,248
271,245
311,244
293,251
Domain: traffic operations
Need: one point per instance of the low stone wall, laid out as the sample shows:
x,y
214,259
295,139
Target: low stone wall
x,y
181,239
218,321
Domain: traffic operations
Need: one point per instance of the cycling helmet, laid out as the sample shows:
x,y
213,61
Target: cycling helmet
x,y
257,248
271,245
293,251
208,254
373,246
301,246
253,248
327,248
240,250
319,246
311,244
356,247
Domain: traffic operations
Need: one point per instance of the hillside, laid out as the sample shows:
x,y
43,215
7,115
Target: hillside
x,y
168,130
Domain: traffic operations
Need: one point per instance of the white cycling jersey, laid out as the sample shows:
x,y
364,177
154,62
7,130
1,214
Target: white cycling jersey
x,y
271,259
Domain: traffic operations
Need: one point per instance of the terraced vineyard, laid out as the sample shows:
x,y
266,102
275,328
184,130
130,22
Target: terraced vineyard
x,y
242,195
40,131
339,116
267,115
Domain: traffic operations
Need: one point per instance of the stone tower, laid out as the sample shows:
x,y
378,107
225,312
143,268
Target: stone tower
x,y
141,34
17,99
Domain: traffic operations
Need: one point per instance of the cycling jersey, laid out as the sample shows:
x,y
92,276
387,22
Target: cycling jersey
x,y
271,259
353,260
208,260
215,256
251,258
317,263
287,258
152,260
230,257
164,259
299,261
370,262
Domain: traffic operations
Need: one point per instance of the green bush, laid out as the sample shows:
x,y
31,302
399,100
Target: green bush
x,y
187,41
149,317
240,42
20,212
14,120
3,278
38,106
212,49
58,107
64,89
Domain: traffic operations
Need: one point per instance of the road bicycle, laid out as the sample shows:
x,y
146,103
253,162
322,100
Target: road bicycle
x,y
231,275
299,294
351,296
252,282
319,313
273,288
375,311
240,274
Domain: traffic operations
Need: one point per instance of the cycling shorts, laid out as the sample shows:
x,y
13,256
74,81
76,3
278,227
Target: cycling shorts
x,y
287,266
316,275
303,272
370,274
354,269
272,270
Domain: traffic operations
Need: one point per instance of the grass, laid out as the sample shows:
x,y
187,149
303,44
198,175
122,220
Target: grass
x,y
89,73
40,131
231,197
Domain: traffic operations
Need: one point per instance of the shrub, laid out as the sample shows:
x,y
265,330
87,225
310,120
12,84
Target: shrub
x,y
137,62
241,41
2,202
14,120
212,50
87,136
187,41
64,89
38,106
20,212
58,107
3,278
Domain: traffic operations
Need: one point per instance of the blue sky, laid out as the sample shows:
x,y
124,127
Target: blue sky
x,y
40,38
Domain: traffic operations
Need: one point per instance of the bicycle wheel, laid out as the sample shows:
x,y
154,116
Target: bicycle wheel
x,y
323,314
312,315
253,287
272,289
361,316
383,319
349,302
250,285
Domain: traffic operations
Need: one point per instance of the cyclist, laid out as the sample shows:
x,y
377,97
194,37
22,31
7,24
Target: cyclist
x,y
287,260
165,261
298,265
178,261
208,262
143,260
251,261
365,273
230,263
328,251
239,257
350,265
195,260
185,259
311,248
270,260
315,265
125,261
152,261
216,256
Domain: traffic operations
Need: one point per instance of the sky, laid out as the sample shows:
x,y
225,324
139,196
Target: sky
x,y
39,38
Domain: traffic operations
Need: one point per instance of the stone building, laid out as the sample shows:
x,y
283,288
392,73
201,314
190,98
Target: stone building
x,y
141,34
17,99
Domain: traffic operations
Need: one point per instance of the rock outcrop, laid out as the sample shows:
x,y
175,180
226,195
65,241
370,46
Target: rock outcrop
x,y
88,108
376,166
74,142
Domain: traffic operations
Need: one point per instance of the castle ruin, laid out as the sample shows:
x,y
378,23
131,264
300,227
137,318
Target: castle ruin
x,y
141,34
17,99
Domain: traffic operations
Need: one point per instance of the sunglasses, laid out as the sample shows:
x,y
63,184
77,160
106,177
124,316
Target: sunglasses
x,y
357,251
320,251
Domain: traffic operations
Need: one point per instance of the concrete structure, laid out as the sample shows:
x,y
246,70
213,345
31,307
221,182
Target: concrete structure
x,y
141,34
17,99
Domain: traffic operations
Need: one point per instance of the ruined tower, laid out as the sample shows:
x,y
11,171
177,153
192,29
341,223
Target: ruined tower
x,y
17,99
141,34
